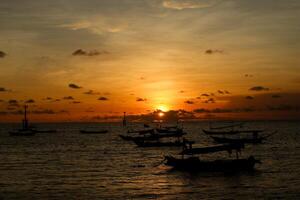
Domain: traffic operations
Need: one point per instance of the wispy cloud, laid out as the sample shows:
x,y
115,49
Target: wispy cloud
x,y
30,101
189,102
2,89
187,4
91,92
81,52
259,88
213,51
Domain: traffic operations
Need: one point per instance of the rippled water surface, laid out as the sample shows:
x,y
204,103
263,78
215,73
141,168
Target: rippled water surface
x,y
70,165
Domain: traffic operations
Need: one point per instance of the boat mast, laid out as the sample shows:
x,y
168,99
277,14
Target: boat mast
x,y
25,121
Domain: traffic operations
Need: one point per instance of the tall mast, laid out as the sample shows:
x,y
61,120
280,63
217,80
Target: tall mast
x,y
25,121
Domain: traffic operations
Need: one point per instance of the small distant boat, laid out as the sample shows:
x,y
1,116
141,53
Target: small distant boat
x,y
25,130
238,140
169,130
194,163
93,131
45,131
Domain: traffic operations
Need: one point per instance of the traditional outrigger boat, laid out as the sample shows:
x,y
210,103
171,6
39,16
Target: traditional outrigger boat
x,y
227,134
26,130
157,143
190,162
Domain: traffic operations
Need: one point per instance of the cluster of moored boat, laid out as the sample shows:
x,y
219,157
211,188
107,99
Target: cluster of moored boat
x,y
229,138
189,157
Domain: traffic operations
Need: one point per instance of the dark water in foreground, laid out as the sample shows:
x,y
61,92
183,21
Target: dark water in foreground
x,y
70,165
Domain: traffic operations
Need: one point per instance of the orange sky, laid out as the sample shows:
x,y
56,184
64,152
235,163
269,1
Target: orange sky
x,y
215,59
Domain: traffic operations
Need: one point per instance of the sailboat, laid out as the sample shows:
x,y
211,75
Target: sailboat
x,y
189,162
25,130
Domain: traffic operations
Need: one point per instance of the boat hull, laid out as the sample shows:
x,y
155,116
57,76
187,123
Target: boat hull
x,y
238,140
195,164
94,132
142,143
22,132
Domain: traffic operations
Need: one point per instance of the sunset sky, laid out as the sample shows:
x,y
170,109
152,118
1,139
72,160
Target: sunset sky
x,y
75,60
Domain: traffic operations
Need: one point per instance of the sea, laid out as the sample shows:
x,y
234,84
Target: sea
x,y
71,165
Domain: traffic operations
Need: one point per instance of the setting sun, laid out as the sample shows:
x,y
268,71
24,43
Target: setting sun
x,y
161,114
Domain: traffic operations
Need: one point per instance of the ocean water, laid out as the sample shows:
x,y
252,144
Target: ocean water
x,y
70,165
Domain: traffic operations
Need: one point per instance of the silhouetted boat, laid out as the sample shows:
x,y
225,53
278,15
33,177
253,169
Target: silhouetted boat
x,y
157,143
93,131
25,130
230,132
238,140
142,131
150,136
45,131
169,130
193,163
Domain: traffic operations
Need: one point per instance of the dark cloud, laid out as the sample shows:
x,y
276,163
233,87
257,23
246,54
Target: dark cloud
x,y
205,95
248,75
74,86
189,102
181,91
2,89
80,52
67,98
213,51
45,111
76,102
283,107
30,101
102,98
226,92
259,88
220,92
48,98
223,110
276,96
140,99
210,100
249,97
2,54
91,92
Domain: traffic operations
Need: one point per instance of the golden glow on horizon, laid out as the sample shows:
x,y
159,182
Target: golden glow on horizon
x,y
163,108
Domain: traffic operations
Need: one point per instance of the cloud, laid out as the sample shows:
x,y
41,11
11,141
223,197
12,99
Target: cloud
x,y
187,4
205,95
248,75
213,51
74,86
259,88
181,91
76,102
68,98
220,92
140,99
2,54
210,100
80,52
48,98
283,107
30,101
249,97
189,102
91,92
2,89
103,99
